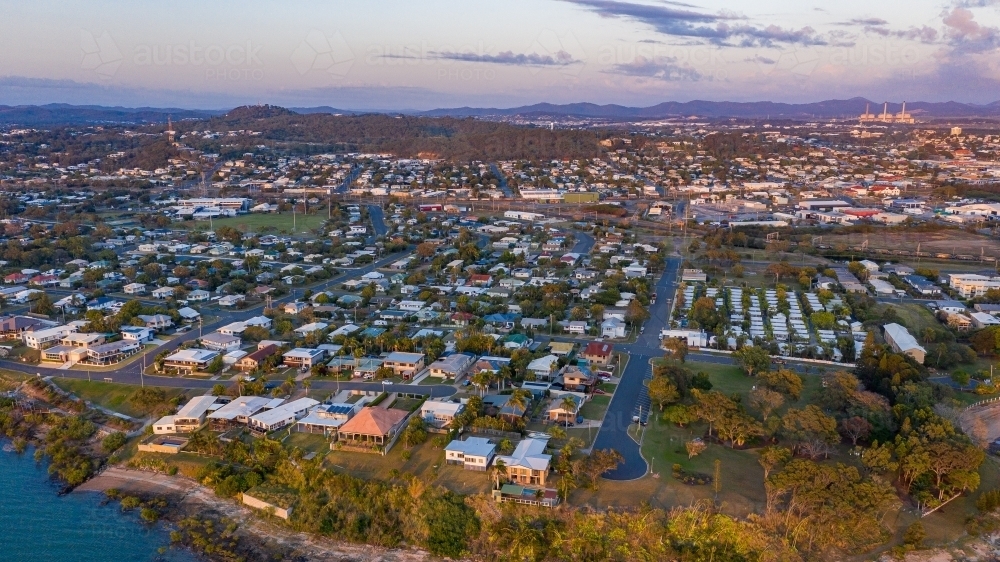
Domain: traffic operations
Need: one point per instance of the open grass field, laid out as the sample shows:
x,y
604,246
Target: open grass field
x,y
111,396
951,241
266,223
916,318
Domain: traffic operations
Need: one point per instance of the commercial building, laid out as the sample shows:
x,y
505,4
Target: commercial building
x,y
970,285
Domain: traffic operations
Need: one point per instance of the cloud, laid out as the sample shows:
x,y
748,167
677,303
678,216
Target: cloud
x,y
664,68
966,35
760,59
924,34
711,27
559,58
864,22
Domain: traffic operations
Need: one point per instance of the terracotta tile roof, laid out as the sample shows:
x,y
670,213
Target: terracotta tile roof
x,y
373,421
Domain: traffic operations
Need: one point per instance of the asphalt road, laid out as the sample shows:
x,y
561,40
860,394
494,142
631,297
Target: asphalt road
x,y
503,181
132,373
378,220
631,392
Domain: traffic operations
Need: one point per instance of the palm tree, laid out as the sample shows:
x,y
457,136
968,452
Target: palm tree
x,y
505,447
498,472
519,400
568,405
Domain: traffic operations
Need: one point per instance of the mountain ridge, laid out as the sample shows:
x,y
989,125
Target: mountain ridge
x,y
68,114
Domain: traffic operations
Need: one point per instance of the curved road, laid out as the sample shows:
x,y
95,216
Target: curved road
x,y
631,392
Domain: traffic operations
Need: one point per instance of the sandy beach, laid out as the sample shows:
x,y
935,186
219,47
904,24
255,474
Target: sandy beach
x,y
189,497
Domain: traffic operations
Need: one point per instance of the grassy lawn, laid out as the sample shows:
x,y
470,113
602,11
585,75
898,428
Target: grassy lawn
x,y
308,442
109,395
407,404
426,462
742,477
916,318
432,380
608,387
266,222
729,379
595,407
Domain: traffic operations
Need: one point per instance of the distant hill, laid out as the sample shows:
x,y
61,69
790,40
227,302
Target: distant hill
x,y
715,109
64,114
410,136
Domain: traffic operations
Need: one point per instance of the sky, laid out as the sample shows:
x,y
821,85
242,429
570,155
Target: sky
x,y
418,55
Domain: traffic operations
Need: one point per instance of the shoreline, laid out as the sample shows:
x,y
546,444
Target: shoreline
x,y
187,497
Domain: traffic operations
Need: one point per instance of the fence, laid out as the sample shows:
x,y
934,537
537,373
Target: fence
x,y
981,403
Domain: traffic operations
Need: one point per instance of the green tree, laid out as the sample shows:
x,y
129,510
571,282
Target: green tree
x,y
753,359
813,431
784,381
662,391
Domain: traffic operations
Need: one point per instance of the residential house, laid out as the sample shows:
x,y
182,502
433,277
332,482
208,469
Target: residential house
x,y
254,359
188,314
475,453
137,334
452,366
614,328
192,415
239,410
190,360
528,464
163,292
310,328
231,300
156,322
198,295
16,326
303,357
599,353
110,353
543,367
373,427
405,364
439,413
326,419
135,289
578,379
559,412
903,342
221,342
45,337
295,307
282,416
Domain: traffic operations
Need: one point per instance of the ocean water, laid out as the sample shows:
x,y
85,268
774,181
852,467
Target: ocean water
x,y
38,525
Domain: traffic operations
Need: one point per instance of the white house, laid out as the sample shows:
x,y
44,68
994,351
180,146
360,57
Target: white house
x,y
135,333
163,292
475,453
284,415
135,289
